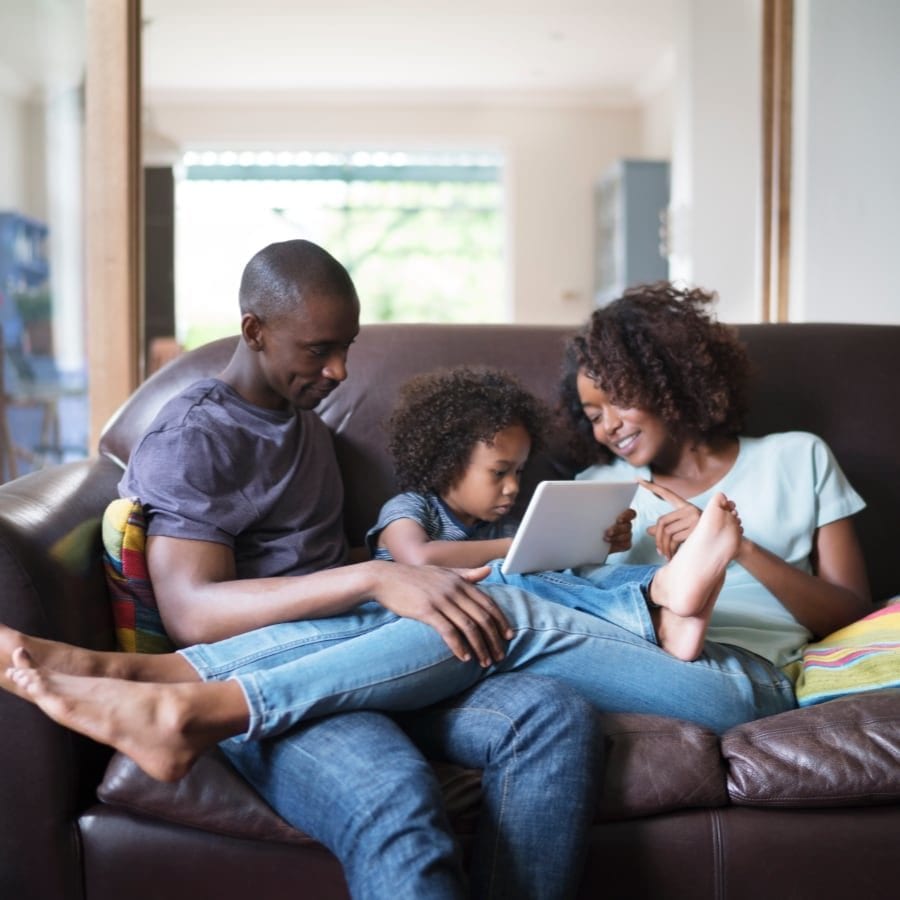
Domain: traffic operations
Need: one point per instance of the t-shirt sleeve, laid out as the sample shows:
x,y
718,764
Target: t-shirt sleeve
x,y
403,506
188,484
835,496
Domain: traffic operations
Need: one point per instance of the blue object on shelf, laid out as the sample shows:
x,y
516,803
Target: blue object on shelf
x,y
24,269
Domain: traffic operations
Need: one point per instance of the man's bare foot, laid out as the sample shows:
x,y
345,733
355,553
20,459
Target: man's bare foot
x,y
163,727
686,588
71,660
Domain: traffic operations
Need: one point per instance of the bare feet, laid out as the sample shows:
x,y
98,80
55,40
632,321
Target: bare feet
x,y
163,727
686,588
71,660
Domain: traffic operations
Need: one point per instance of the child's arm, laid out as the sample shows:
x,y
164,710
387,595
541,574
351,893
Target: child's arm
x,y
408,543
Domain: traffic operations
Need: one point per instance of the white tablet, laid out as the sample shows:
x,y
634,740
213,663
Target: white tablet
x,y
564,524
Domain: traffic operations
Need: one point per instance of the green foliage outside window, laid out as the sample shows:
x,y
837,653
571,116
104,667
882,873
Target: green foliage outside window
x,y
418,251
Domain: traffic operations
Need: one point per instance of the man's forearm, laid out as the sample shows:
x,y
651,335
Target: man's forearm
x,y
201,600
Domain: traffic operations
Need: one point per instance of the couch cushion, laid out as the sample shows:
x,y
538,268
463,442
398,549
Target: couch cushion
x,y
654,765
213,797
137,621
841,753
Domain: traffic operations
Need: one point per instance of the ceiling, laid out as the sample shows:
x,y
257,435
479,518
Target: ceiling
x,y
606,50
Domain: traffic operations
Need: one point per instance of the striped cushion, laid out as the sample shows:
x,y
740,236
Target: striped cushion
x,y
138,625
864,656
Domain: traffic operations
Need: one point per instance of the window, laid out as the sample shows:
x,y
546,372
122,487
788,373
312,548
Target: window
x,y
421,233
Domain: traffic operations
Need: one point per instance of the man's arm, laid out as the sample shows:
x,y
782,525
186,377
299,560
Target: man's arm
x,y
201,600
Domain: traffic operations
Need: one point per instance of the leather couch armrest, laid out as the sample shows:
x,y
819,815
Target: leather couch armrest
x,y
52,586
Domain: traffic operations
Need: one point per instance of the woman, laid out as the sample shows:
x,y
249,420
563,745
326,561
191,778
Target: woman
x,y
656,389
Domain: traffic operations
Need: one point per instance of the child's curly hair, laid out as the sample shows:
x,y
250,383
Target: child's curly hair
x,y
659,349
442,415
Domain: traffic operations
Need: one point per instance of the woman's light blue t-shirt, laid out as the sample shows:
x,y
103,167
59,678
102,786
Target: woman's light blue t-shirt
x,y
785,486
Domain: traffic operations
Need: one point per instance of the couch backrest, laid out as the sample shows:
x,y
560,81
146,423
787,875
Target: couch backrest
x,y
838,381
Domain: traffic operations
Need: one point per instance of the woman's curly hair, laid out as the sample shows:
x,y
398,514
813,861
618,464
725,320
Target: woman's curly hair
x,y
442,415
659,349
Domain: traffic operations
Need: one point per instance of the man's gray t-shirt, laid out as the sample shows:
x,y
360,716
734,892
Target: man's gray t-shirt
x,y
213,467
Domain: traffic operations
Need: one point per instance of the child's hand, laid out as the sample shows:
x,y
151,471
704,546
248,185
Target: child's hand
x,y
619,535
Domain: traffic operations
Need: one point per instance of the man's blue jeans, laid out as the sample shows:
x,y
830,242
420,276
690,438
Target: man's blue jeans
x,y
372,659
358,783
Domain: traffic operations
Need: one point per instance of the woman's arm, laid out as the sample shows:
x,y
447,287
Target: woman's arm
x,y
834,596
407,542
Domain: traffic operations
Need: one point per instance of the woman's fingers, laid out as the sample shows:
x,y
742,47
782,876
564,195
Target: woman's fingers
x,y
673,529
664,493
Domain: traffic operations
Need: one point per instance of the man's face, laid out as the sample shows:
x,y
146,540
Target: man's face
x,y
304,355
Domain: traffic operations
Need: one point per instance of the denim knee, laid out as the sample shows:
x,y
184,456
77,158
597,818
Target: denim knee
x,y
357,784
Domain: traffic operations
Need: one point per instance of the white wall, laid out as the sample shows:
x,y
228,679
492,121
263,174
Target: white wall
x,y
656,123
845,264
657,94
554,155
714,207
14,141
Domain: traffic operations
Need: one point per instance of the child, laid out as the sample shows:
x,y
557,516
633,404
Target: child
x,y
460,439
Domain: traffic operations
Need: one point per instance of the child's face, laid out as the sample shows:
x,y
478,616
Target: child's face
x,y
487,489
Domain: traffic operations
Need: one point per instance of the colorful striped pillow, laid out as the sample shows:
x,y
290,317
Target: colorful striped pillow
x,y
138,625
864,656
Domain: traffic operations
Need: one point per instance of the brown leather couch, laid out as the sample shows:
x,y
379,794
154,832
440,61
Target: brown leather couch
x,y
805,804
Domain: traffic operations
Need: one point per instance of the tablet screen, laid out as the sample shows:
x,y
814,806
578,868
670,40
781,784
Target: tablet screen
x,y
564,524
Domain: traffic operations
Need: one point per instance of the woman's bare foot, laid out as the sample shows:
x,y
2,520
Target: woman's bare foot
x,y
686,588
71,660
163,727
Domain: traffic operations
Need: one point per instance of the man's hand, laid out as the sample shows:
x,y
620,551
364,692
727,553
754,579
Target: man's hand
x,y
618,535
446,599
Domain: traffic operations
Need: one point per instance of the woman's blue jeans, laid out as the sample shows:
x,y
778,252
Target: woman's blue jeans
x,y
618,594
372,659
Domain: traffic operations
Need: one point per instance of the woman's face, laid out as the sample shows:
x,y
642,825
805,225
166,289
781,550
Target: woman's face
x,y
635,435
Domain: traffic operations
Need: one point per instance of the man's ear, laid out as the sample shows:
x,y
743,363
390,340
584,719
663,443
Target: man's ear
x,y
252,331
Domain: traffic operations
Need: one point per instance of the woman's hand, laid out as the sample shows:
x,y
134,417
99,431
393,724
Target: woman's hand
x,y
672,529
618,536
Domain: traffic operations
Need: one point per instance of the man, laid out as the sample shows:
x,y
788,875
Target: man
x,y
243,500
